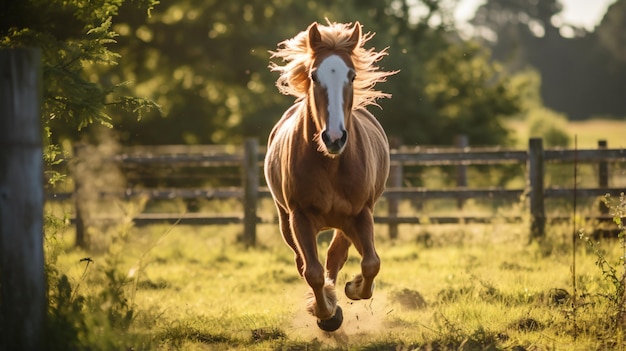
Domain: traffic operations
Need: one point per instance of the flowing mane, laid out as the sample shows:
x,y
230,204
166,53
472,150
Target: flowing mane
x,y
294,75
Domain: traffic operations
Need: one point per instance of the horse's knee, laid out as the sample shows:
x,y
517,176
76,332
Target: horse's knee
x,y
314,275
370,266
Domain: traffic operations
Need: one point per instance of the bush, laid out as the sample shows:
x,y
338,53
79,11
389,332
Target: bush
x,y
549,125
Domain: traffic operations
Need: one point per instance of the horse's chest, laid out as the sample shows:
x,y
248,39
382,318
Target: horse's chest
x,y
339,192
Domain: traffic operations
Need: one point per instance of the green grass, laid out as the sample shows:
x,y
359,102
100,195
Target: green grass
x,y
478,287
588,133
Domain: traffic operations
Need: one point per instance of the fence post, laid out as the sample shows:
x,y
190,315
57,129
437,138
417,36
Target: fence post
x,y
79,221
250,190
22,278
461,142
535,181
394,181
603,177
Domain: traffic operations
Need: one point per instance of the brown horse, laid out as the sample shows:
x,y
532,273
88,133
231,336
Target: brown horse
x,y
328,159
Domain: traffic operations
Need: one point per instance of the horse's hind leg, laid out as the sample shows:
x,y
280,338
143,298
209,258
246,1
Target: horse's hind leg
x,y
361,233
285,231
337,254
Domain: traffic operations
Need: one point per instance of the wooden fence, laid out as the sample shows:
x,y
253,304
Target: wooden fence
x,y
249,160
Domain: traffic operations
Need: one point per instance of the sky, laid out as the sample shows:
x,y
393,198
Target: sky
x,y
580,13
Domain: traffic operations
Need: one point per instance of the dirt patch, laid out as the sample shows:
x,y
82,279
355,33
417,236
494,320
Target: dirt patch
x,y
409,299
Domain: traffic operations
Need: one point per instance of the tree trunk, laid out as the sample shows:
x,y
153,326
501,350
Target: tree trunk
x,y
22,279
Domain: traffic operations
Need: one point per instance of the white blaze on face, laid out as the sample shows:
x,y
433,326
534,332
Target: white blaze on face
x,y
332,73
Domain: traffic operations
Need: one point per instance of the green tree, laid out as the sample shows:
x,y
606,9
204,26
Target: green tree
x,y
445,86
582,74
75,37
611,31
205,63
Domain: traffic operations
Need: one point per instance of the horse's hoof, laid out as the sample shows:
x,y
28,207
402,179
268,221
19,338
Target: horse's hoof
x,y
333,323
352,295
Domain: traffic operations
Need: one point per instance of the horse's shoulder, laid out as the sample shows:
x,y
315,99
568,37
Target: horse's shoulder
x,y
370,125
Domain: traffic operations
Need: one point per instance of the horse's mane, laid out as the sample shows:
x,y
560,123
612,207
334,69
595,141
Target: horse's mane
x,y
294,74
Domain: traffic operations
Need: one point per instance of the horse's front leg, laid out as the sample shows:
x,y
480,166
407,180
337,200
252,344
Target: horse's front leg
x,y
361,233
285,231
323,303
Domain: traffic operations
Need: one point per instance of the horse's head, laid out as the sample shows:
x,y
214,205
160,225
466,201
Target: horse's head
x,y
331,93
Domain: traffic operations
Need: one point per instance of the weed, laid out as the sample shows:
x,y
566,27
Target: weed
x,y
611,271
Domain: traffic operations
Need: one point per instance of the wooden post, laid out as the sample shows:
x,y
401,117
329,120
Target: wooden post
x,y
535,182
79,222
394,181
250,190
461,142
22,279
603,177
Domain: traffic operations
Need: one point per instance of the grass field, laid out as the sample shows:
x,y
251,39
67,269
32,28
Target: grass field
x,y
478,287
588,133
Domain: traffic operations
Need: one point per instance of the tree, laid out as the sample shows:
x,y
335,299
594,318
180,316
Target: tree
x,y
74,44
580,75
612,29
445,86
205,63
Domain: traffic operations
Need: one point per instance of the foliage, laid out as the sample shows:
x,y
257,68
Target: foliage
x,y
75,38
610,29
94,311
549,125
469,95
582,72
611,271
74,46
205,63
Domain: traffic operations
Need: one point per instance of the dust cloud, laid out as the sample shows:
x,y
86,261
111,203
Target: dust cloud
x,y
364,318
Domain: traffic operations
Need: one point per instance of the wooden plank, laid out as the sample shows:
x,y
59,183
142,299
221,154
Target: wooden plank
x,y
429,194
585,155
585,192
181,159
468,156
443,219
391,193
177,193
170,193
144,219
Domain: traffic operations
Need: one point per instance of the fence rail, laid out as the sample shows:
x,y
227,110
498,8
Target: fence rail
x,y
249,159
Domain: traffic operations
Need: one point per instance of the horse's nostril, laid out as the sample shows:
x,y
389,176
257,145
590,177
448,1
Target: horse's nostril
x,y
325,138
344,136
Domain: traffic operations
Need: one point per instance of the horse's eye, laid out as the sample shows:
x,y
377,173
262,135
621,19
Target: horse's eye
x,y
351,75
314,76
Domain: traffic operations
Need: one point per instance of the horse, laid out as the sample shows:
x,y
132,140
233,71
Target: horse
x,y
327,159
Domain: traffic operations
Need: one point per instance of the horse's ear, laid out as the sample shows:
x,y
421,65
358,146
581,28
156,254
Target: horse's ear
x,y
314,36
355,37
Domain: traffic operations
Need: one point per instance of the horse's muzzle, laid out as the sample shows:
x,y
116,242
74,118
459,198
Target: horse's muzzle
x,y
335,146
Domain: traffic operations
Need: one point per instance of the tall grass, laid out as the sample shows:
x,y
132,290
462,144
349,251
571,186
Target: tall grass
x,y
473,287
